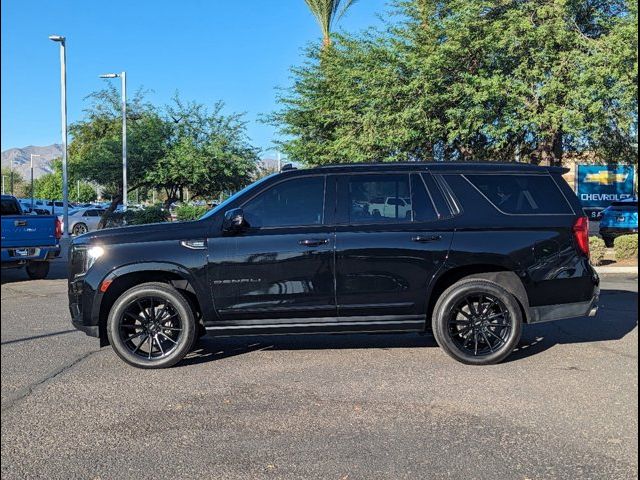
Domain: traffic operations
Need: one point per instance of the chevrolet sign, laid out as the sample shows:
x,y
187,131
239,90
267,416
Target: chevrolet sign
x,y
598,186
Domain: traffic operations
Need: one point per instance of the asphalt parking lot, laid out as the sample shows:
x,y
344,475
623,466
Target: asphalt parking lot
x,y
565,405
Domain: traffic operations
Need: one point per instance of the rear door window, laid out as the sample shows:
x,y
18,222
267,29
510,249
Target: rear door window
x,y
379,199
522,194
423,208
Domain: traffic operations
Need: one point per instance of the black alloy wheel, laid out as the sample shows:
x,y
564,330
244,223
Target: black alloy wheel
x,y
477,322
151,326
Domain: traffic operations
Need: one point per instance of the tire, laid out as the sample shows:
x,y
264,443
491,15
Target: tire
x,y
37,270
151,326
608,241
477,322
79,229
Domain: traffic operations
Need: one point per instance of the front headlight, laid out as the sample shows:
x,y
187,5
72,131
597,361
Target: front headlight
x,y
93,254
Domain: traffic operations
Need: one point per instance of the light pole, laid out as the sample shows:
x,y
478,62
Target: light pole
x,y
123,78
32,155
63,109
11,176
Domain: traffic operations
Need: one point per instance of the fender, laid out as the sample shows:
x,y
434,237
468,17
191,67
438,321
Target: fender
x,y
199,288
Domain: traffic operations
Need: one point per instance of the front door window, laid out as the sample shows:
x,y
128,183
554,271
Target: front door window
x,y
297,202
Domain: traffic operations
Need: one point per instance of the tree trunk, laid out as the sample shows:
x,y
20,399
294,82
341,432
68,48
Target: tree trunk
x,y
114,204
557,149
549,150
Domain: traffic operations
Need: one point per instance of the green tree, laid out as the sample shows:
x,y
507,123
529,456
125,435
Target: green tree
x,y
207,153
49,186
327,12
95,152
471,80
19,185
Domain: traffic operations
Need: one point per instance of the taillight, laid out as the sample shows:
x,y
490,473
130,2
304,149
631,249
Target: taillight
x,y
581,234
58,229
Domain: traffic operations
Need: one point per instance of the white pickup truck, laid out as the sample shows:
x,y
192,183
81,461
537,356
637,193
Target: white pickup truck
x,y
386,207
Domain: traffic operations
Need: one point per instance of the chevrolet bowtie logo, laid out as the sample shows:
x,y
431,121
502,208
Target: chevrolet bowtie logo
x,y
604,177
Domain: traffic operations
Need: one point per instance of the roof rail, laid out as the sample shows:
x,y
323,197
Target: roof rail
x,y
288,166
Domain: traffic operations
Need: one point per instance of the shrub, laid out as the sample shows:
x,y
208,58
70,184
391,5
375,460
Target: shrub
x,y
597,249
626,247
153,214
190,212
146,215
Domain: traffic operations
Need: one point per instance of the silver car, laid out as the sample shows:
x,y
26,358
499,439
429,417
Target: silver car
x,y
83,220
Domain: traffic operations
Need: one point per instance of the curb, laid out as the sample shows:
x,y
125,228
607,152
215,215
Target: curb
x,y
602,270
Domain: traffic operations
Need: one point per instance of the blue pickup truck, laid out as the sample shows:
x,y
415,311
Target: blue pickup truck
x,y
29,241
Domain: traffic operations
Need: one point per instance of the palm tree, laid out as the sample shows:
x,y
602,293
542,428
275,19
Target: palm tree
x,y
327,12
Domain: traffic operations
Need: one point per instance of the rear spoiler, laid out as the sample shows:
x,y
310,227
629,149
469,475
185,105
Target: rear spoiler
x,y
560,170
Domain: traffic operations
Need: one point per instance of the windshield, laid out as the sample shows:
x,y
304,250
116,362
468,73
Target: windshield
x,y
224,204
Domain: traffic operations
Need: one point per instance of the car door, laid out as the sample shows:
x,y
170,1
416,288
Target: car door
x,y
281,264
385,260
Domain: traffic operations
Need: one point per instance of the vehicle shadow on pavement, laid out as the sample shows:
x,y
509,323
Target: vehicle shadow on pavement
x,y
216,348
616,318
57,271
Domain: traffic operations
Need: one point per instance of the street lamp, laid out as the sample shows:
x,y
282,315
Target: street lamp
x,y
63,109
11,176
32,155
123,84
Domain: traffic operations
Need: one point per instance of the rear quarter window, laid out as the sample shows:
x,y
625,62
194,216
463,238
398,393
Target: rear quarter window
x,y
10,207
522,194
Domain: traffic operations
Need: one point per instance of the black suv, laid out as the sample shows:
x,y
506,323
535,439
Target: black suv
x,y
470,252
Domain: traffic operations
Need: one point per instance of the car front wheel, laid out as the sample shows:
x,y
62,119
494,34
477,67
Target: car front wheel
x,y
151,326
79,229
477,322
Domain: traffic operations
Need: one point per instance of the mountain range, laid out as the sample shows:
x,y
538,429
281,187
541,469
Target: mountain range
x,y
21,159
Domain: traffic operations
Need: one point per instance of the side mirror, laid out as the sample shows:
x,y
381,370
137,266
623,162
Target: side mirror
x,y
233,220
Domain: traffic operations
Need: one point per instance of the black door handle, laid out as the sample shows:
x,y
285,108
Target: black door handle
x,y
425,239
314,242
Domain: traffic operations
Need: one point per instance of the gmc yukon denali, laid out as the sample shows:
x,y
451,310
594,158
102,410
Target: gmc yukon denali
x,y
467,251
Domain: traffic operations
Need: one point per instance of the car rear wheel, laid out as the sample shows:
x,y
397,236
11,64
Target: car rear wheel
x,y
79,229
608,241
151,326
477,322
37,270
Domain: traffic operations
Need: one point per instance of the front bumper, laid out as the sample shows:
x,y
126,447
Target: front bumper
x,y
81,303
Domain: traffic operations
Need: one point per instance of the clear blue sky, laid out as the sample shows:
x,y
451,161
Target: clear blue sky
x,y
236,51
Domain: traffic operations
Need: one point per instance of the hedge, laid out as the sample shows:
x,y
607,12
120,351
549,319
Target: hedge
x,y
190,212
597,249
153,214
626,247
